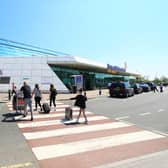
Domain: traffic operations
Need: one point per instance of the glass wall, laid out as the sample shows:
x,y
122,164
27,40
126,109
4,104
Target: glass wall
x,y
91,80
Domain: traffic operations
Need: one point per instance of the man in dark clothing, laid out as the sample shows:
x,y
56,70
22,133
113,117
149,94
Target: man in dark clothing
x,y
27,98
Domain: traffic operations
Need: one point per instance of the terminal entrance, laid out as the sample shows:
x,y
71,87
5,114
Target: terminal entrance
x,y
67,77
90,79
87,81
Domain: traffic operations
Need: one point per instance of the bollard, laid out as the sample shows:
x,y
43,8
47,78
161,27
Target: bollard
x,y
100,92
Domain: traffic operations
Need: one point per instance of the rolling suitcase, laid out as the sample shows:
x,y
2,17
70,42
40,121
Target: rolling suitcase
x,y
68,113
46,108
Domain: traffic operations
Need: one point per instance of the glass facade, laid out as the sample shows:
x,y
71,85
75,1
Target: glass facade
x,y
91,79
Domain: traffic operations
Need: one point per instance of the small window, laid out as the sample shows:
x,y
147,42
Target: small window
x,y
4,80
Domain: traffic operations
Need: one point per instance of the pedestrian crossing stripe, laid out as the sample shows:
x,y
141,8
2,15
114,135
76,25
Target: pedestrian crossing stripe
x,y
57,106
55,110
51,115
74,130
46,152
54,122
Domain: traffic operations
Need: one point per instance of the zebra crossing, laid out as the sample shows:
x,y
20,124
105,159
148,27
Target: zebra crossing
x,y
102,141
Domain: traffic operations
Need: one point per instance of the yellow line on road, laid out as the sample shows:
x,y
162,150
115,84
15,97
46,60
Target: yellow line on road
x,y
20,165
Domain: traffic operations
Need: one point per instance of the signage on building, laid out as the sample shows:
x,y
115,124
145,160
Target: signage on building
x,y
78,81
115,68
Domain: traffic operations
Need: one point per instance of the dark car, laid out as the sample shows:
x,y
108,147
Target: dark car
x,y
151,85
137,88
119,89
145,87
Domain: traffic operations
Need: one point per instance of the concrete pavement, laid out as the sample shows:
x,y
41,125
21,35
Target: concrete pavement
x,y
14,151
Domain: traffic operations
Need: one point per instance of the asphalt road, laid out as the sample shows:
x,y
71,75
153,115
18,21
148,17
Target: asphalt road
x,y
146,110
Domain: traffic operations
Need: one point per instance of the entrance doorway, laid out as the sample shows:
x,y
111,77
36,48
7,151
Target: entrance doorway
x,y
89,81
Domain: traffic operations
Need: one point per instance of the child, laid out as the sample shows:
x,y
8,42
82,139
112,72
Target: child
x,y
81,103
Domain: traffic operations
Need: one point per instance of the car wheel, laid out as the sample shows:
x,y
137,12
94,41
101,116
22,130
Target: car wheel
x,y
126,95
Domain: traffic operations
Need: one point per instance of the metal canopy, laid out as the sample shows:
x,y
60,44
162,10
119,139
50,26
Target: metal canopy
x,y
89,67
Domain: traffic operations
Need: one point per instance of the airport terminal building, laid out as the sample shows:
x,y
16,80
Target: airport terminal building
x,y
21,62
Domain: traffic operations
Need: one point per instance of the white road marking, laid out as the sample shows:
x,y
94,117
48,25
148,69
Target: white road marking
x,y
37,115
122,118
19,165
54,122
74,130
143,114
59,150
160,110
51,115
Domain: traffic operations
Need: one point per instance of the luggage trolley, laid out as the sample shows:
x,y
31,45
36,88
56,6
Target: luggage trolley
x,y
19,103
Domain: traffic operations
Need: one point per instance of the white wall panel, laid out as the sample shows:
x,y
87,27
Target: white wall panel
x,y
36,60
36,73
46,80
45,66
26,66
30,69
13,66
26,73
36,66
46,73
36,80
44,59
8,66
27,60
15,73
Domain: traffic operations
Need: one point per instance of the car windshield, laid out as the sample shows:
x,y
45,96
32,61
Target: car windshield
x,y
115,85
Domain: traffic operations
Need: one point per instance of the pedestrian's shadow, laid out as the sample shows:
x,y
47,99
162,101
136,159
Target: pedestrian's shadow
x,y
10,117
71,122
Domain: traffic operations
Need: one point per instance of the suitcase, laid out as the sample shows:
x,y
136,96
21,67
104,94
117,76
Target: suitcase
x,y
68,113
46,108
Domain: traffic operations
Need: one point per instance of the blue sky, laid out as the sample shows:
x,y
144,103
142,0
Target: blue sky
x,y
108,31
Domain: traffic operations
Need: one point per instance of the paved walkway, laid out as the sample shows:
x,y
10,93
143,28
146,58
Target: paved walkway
x,y
48,143
60,97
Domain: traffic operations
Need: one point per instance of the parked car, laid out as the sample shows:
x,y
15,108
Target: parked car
x,y
151,85
123,89
137,88
145,87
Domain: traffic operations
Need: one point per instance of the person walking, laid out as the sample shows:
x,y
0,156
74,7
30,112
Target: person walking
x,y
155,88
9,95
161,87
53,94
81,103
37,96
14,100
27,96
